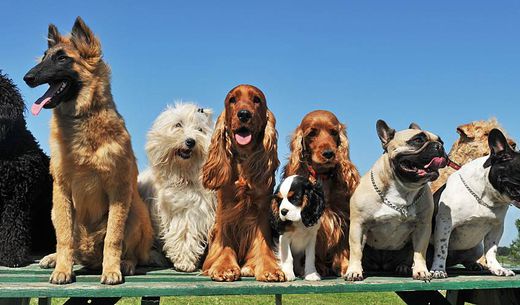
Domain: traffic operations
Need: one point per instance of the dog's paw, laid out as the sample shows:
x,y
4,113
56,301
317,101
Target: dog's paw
x,y
48,261
225,274
422,275
127,267
438,274
313,277
112,277
403,270
247,271
274,275
502,272
289,274
61,278
354,275
185,266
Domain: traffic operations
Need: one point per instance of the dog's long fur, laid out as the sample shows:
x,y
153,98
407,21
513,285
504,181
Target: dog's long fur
x,y
99,218
182,210
244,180
471,144
25,184
318,132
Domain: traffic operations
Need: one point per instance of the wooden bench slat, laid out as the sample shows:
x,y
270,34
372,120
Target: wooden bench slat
x,y
25,282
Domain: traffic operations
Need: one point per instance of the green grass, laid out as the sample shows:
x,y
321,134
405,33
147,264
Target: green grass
x,y
372,298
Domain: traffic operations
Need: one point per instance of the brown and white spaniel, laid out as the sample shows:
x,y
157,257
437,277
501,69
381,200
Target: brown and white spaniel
x,y
241,165
320,150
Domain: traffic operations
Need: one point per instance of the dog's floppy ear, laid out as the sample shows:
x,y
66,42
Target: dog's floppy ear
x,y
297,153
414,125
216,172
500,149
313,209
385,133
264,163
53,37
85,41
466,132
276,223
349,172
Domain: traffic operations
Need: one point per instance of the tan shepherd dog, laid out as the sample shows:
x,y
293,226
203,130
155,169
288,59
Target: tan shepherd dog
x,y
99,218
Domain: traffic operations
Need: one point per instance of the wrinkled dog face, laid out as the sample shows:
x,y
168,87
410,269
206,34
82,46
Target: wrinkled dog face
x,y
179,134
416,155
504,161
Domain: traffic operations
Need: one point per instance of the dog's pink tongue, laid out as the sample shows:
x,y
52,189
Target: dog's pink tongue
x,y
243,140
436,163
37,107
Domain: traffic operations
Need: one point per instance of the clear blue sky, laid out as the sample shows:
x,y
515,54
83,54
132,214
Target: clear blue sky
x,y
439,63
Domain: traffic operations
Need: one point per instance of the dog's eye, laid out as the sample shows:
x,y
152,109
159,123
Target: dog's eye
x,y
257,100
312,133
62,58
232,100
333,132
178,125
199,129
513,146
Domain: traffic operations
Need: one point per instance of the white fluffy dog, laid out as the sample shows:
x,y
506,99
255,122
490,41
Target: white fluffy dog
x,y
183,211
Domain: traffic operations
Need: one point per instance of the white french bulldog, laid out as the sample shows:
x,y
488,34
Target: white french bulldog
x,y
472,209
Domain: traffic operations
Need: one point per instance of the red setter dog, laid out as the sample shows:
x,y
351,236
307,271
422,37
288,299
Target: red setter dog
x,y
241,165
320,149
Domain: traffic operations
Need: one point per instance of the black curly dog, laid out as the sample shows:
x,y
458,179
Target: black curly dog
x,y
25,185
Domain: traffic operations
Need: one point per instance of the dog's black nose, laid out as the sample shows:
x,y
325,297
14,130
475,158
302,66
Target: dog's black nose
x,y
284,212
190,142
328,154
244,115
29,79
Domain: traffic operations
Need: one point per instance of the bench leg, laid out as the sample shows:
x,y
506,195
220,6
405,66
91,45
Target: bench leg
x,y
92,301
44,301
150,300
423,298
505,296
278,299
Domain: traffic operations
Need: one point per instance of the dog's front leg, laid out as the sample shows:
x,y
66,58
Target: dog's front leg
x,y
441,239
261,254
119,204
357,238
221,262
310,267
286,258
63,221
420,240
491,241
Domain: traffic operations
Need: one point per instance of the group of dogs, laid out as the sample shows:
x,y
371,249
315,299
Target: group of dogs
x,y
207,201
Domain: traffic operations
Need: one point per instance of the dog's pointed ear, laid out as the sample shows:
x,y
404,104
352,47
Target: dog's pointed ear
x,y
84,40
499,146
385,133
315,205
414,125
53,37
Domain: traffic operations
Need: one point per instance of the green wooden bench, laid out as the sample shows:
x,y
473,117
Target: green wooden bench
x,y
151,284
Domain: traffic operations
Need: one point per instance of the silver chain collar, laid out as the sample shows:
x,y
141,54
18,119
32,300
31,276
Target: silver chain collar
x,y
402,210
479,200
